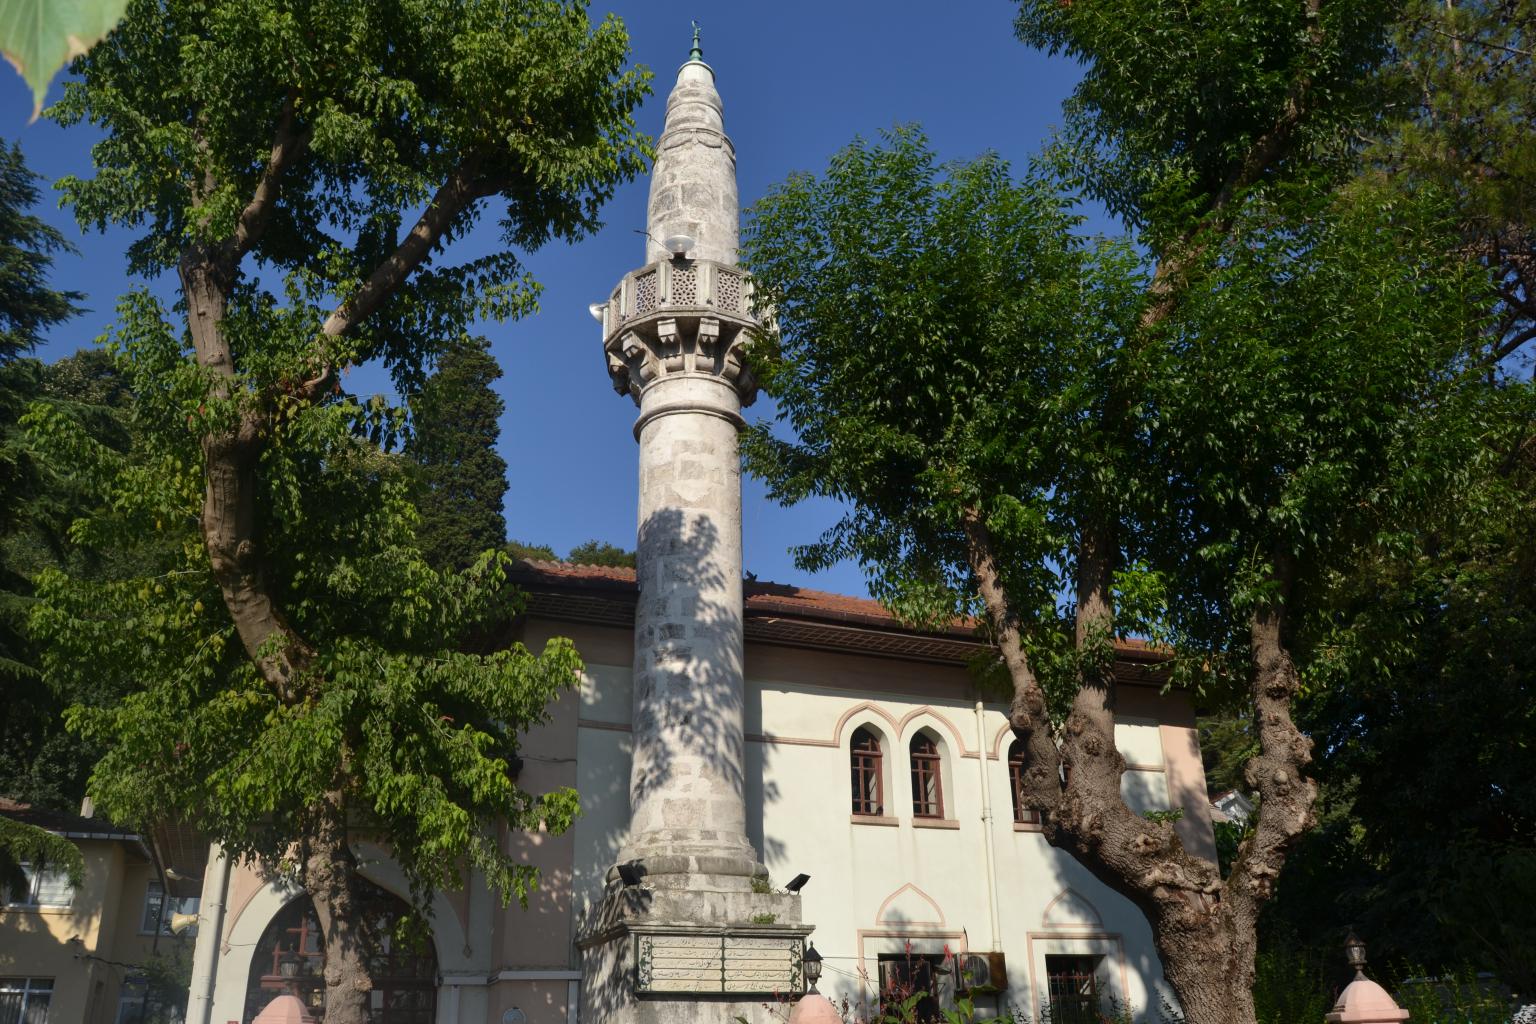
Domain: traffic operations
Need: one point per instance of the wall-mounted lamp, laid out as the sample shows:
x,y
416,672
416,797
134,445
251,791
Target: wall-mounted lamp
x,y
630,874
797,883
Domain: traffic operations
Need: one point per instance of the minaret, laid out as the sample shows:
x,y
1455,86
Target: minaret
x,y
678,936
673,335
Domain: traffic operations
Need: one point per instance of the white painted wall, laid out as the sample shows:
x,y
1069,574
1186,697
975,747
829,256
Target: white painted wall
x,y
874,887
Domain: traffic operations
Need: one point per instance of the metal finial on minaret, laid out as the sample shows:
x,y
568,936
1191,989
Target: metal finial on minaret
x,y
697,53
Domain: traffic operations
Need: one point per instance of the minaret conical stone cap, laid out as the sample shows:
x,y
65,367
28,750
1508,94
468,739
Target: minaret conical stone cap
x,y
693,184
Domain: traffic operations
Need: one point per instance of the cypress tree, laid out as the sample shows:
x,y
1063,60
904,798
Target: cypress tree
x,y
462,478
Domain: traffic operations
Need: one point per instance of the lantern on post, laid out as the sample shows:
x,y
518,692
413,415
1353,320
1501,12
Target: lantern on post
x,y
1354,950
1363,1001
811,962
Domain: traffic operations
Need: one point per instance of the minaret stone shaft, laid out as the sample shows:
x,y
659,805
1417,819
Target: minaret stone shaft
x,y
673,332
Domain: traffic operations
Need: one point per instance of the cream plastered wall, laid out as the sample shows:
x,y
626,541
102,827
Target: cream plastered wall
x,y
877,885
83,947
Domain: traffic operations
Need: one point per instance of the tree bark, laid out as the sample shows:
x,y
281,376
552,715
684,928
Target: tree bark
x,y
1027,714
1205,929
331,879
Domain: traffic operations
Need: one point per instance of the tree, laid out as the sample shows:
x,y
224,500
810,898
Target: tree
x,y
599,552
517,550
1458,95
1062,426
1433,846
453,440
40,763
28,306
299,624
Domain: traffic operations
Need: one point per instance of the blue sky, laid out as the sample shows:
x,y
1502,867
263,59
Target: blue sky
x,y
799,80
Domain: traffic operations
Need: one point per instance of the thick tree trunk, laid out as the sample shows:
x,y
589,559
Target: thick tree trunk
x,y
331,878
1027,714
1205,929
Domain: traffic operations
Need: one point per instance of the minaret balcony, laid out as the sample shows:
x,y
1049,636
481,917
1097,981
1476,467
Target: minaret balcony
x,y
679,316
679,287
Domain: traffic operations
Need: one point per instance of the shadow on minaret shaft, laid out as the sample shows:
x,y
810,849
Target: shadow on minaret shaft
x,y
687,783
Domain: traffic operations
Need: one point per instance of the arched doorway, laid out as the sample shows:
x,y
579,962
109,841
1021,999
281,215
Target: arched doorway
x,y
404,976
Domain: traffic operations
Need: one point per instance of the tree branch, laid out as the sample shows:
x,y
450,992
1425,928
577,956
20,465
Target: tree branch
x,y
462,187
1027,714
1267,150
286,146
1286,795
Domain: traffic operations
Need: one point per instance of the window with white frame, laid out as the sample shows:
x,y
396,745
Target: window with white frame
x,y
25,1000
46,887
154,897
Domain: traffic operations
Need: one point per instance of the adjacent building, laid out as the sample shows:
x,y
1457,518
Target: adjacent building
x,y
79,955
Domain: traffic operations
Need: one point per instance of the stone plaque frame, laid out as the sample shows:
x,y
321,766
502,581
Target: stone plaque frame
x,y
722,963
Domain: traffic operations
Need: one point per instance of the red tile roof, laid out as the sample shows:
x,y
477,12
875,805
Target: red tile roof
x,y
63,823
774,609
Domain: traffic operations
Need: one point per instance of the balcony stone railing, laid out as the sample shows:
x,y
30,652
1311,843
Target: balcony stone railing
x,y
679,316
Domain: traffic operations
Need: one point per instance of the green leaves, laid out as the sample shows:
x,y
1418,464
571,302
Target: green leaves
x,y
40,36
306,170
21,843
943,340
1181,100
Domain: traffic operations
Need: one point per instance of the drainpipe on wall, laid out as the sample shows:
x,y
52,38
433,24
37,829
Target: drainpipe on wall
x,y
210,935
986,826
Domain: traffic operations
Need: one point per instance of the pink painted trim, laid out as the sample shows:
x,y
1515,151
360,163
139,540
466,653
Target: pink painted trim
x,y
899,727
231,919
997,741
880,914
959,737
1045,918
1186,789
837,730
873,819
1118,952
944,823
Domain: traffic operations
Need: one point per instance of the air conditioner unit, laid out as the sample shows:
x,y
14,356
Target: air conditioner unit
x,y
981,973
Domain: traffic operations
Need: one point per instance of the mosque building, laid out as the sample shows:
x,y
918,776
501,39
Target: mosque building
x,y
763,770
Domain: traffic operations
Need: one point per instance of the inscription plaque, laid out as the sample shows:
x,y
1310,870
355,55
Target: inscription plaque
x,y
735,964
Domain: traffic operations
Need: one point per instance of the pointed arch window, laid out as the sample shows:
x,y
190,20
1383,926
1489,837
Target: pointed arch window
x,y
1021,814
865,764
927,778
